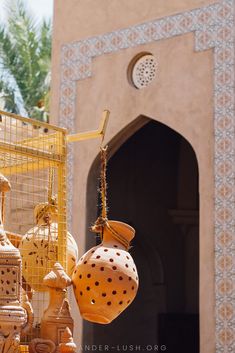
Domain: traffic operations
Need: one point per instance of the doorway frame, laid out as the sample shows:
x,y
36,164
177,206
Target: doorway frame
x,y
213,29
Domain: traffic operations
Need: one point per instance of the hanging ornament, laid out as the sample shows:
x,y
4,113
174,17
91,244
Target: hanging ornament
x,y
105,281
39,246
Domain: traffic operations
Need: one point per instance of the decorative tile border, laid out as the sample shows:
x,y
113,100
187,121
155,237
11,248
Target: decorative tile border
x,y
214,28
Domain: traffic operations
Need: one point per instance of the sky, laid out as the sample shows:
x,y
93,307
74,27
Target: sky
x,y
40,8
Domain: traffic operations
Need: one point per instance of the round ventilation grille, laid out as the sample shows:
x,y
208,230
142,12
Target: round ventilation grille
x,y
144,71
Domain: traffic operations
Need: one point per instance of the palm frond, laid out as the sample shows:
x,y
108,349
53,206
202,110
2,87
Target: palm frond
x,y
25,49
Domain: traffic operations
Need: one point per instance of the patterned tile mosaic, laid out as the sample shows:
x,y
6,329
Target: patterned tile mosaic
x,y
214,28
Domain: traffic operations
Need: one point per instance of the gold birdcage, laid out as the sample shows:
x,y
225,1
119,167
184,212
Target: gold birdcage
x,y
30,151
33,158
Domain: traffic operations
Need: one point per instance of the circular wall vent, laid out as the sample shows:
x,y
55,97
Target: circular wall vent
x,y
143,70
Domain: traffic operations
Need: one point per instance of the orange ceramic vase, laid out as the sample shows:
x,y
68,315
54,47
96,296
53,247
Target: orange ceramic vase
x,y
105,281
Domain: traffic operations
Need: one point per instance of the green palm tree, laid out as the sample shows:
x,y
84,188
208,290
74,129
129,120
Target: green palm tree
x,y
25,57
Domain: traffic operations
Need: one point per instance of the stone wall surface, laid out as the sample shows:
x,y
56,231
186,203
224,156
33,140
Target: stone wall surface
x,y
193,93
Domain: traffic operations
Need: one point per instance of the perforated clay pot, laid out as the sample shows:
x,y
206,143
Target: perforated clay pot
x,y
105,281
39,251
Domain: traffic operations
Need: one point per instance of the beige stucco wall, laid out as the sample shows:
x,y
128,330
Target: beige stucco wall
x,y
180,97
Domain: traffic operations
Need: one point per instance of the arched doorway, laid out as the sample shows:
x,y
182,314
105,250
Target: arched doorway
x,y
153,185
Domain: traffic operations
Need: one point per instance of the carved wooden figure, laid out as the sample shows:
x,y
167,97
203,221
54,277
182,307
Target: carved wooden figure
x,y
57,316
12,315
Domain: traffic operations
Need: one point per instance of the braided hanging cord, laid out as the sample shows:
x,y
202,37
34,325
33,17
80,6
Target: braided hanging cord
x,y
102,220
103,181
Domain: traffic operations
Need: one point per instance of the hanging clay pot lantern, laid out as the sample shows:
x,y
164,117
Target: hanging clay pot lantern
x,y
105,281
39,246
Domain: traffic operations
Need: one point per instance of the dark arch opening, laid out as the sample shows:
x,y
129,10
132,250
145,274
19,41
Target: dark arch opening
x,y
153,185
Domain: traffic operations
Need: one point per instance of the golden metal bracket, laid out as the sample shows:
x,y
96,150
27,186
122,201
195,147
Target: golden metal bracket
x,y
100,132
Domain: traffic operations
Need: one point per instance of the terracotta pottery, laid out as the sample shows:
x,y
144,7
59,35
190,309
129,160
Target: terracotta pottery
x,y
13,316
39,345
105,281
30,314
39,248
57,317
67,344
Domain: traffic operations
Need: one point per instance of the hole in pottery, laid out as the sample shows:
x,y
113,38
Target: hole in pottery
x,y
127,257
85,262
115,246
14,272
102,269
93,265
93,301
121,302
80,276
118,254
104,294
124,292
93,251
89,275
8,282
114,292
133,269
97,283
108,303
120,278
126,265
87,288
105,250
98,256
111,260
109,279
129,278
81,293
114,268
132,287
128,301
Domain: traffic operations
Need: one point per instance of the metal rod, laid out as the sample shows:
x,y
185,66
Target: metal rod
x,y
100,132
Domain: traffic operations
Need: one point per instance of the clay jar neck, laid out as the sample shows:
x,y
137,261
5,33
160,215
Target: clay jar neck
x,y
124,230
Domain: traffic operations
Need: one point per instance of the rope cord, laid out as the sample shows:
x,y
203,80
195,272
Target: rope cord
x,y
102,221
